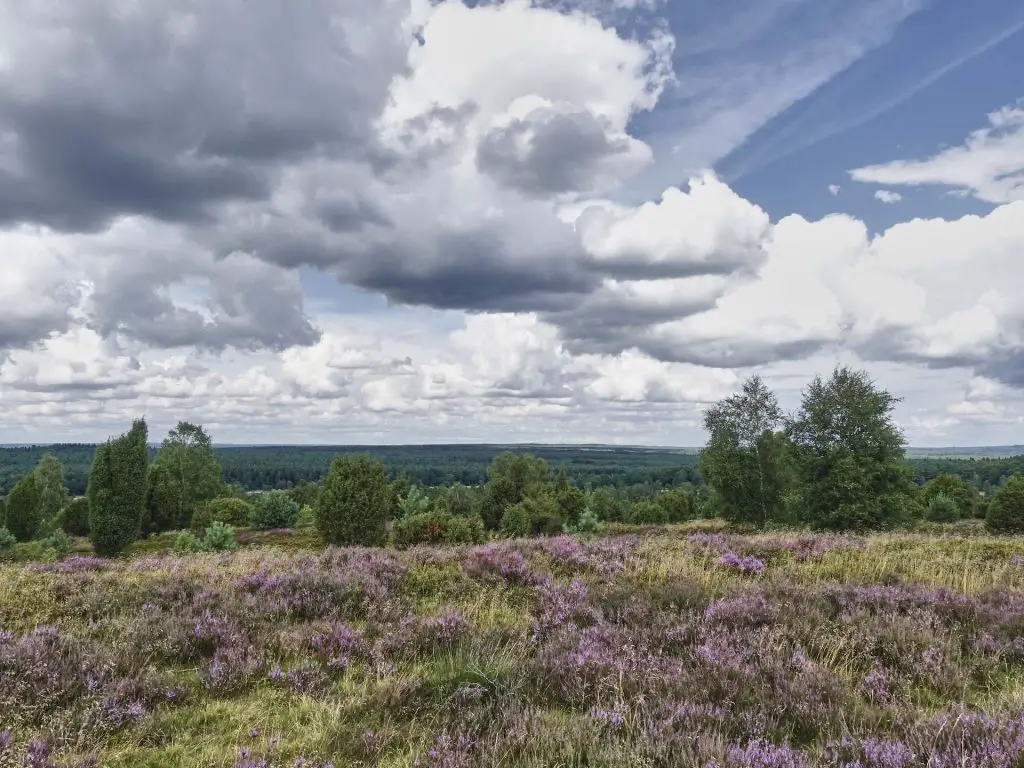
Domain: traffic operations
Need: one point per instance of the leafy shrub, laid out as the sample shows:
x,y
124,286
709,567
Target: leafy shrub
x,y
307,517
74,518
646,513
1006,510
59,542
7,541
355,502
941,509
219,537
437,528
271,510
605,505
955,489
588,523
678,504
459,500
235,512
186,543
571,504
515,523
415,502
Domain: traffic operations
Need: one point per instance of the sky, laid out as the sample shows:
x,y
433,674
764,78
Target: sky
x,y
412,221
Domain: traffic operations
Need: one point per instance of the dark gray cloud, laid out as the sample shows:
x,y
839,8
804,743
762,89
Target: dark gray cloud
x,y
166,109
549,152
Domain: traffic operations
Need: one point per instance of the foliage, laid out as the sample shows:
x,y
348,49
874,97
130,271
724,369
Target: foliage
x,y
74,518
605,505
234,512
355,502
646,513
571,500
588,522
272,509
744,462
53,496
59,542
437,528
184,474
117,491
678,504
415,502
942,509
219,537
458,499
304,493
23,512
1006,509
850,454
952,487
186,543
306,518
512,478
7,540
516,522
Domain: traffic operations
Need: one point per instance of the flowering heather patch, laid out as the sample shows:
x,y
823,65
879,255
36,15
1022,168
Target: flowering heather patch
x,y
602,651
747,565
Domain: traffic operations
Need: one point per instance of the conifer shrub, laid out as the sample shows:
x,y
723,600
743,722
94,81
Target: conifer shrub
x,y
74,518
23,509
271,510
117,490
354,503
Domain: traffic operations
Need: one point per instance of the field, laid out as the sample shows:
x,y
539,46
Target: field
x,y
674,647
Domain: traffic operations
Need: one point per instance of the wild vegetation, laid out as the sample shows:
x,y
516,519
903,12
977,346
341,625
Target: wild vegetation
x,y
805,603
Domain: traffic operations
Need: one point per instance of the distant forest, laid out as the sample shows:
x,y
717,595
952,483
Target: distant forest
x,y
268,467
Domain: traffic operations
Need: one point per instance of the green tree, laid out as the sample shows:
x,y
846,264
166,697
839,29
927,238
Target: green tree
x,y
53,495
117,490
571,500
457,500
355,502
677,503
1006,509
605,505
744,462
510,479
185,473
23,508
416,502
962,493
850,454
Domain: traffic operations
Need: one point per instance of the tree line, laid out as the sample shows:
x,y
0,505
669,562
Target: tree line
x,y
838,463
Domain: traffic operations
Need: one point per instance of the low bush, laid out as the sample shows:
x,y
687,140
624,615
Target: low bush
x,y
941,509
219,537
437,528
271,510
515,523
7,542
646,513
186,543
1006,510
232,511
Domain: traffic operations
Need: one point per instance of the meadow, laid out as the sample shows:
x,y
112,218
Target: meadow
x,y
672,646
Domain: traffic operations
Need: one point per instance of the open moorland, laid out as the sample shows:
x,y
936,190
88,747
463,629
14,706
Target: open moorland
x,y
680,646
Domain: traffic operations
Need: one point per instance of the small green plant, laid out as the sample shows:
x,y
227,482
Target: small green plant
x,y
186,543
7,541
307,517
942,509
219,537
415,502
59,542
588,523
271,510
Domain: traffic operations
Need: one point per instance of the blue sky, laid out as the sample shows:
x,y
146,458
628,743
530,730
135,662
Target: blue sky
x,y
511,220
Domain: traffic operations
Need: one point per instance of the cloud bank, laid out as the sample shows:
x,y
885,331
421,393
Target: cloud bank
x,y
167,169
